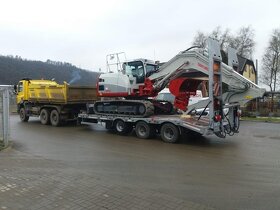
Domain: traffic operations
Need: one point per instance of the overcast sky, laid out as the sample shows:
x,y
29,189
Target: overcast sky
x,y
83,32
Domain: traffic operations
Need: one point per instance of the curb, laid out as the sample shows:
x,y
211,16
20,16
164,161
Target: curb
x,y
262,121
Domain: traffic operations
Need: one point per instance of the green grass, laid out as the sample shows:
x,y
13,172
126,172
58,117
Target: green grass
x,y
2,146
262,119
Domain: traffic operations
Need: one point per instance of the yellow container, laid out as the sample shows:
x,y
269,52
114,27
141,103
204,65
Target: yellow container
x,y
47,91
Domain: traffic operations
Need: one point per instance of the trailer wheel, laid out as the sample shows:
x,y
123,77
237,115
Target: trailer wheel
x,y
143,130
122,127
55,118
169,133
45,117
22,115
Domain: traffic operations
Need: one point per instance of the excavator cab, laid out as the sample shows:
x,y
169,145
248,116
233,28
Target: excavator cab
x,y
140,69
135,69
126,81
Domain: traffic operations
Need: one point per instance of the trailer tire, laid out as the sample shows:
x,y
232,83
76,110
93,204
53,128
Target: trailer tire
x,y
45,117
55,118
143,130
122,127
22,115
169,133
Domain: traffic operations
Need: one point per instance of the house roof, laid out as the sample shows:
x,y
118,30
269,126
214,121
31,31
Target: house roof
x,y
242,63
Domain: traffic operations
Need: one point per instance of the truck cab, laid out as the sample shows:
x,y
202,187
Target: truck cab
x,y
19,90
22,88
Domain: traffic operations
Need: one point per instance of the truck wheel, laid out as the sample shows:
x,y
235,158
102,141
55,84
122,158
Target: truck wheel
x,y
22,115
45,117
169,133
121,127
143,130
55,118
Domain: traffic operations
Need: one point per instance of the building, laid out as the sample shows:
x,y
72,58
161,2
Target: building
x,y
247,68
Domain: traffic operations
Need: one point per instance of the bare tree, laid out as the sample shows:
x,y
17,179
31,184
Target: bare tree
x,y
244,41
271,63
222,36
200,39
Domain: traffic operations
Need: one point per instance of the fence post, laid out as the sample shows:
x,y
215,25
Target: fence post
x,y
5,116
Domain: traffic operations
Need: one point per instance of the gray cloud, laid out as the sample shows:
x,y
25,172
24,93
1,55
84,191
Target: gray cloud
x,y
84,33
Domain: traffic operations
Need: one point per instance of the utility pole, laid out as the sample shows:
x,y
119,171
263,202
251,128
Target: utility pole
x,y
257,78
257,71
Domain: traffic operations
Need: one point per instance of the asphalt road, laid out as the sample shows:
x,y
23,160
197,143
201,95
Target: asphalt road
x,y
239,172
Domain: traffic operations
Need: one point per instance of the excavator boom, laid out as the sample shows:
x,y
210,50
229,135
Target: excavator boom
x,y
193,67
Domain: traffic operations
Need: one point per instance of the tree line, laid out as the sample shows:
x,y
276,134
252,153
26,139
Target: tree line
x,y
14,68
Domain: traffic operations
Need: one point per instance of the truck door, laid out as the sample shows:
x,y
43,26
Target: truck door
x,y
20,92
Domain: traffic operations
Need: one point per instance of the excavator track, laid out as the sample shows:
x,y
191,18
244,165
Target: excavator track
x,y
134,108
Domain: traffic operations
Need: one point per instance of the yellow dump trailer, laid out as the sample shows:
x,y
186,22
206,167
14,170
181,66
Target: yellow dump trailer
x,y
54,103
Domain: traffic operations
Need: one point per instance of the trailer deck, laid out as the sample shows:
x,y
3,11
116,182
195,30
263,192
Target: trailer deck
x,y
194,123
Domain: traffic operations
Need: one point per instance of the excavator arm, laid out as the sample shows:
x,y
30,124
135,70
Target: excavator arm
x,y
188,69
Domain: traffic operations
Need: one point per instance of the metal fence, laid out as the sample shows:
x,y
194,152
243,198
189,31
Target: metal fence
x,y
4,115
263,108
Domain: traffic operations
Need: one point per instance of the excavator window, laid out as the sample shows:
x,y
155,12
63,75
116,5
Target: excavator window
x,y
150,69
136,69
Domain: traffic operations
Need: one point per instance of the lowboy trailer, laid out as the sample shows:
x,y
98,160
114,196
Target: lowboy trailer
x,y
227,90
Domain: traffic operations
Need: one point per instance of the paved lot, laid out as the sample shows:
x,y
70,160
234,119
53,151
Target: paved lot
x,y
89,168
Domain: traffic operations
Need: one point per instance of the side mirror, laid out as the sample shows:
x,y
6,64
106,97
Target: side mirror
x,y
15,89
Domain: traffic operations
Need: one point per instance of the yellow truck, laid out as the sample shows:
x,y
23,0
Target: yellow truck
x,y
54,103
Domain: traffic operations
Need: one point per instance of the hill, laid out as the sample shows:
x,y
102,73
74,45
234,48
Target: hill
x,y
13,69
